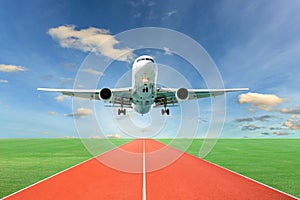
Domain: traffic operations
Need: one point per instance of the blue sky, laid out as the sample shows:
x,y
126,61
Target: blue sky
x,y
254,44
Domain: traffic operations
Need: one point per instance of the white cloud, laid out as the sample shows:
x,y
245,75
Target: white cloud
x,y
250,127
70,137
11,68
92,71
80,85
290,111
113,136
171,13
141,3
264,118
81,113
246,119
167,51
60,98
264,102
293,123
137,15
251,110
66,82
3,81
90,40
295,117
280,133
95,137
52,113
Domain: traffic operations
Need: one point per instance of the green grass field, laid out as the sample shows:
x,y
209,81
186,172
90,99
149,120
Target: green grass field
x,y
275,162
27,161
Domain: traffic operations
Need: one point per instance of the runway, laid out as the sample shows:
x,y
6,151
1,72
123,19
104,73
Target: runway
x,y
148,173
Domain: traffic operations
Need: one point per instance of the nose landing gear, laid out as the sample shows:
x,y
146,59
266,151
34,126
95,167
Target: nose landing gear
x,y
165,110
145,90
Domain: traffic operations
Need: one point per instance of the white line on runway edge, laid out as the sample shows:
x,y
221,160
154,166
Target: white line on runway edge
x,y
144,172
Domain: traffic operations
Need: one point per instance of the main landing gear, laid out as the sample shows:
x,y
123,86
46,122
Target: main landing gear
x,y
165,110
121,111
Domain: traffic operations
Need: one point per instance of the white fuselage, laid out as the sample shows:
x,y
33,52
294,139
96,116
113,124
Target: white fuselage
x,y
144,75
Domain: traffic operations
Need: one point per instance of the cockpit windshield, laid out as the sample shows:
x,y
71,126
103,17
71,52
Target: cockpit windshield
x,y
150,59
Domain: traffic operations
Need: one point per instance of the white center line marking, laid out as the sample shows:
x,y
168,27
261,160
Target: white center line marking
x,y
144,172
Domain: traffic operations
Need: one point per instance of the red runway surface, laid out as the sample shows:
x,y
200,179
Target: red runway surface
x,y
186,178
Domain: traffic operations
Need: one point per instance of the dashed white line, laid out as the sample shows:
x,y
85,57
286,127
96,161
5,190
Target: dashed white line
x,y
144,172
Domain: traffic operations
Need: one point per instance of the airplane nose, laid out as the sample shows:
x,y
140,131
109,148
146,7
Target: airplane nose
x,y
147,65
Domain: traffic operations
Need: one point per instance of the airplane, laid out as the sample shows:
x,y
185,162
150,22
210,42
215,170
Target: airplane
x,y
144,94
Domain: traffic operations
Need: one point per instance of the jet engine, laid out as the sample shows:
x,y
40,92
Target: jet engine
x,y
182,94
105,94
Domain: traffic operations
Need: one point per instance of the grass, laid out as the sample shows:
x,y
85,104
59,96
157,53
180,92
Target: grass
x,y
27,161
275,162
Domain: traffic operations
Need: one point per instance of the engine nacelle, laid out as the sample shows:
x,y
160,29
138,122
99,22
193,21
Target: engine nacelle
x,y
182,94
105,94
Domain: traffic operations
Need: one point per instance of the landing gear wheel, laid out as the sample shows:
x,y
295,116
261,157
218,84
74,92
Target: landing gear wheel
x,y
121,110
145,90
168,111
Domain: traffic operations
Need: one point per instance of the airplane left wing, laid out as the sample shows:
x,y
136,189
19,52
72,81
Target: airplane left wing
x,y
88,94
202,93
170,96
117,96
